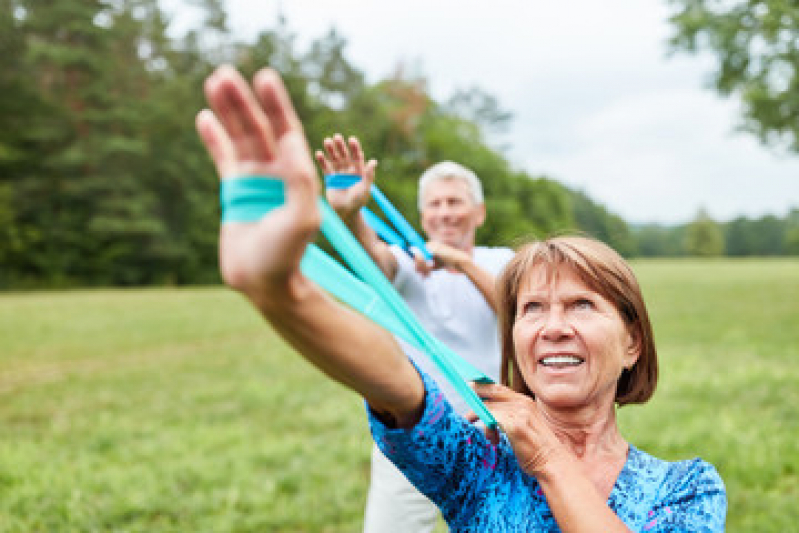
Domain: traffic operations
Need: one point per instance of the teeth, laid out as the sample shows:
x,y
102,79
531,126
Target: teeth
x,y
561,360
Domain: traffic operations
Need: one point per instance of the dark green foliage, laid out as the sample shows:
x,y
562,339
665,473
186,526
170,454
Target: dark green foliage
x,y
107,191
654,240
755,42
704,237
596,221
790,238
103,180
765,236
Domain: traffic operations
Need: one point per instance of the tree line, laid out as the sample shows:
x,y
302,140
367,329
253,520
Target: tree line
x,y
103,180
704,237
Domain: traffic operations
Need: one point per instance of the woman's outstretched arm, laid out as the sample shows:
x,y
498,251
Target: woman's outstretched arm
x,y
255,131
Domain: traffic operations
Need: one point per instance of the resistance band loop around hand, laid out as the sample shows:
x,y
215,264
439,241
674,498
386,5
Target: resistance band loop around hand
x,y
249,198
345,181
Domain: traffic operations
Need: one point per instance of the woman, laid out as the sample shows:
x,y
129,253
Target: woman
x,y
576,339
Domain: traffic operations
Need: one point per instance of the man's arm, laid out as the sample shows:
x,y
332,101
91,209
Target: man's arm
x,y
342,157
449,257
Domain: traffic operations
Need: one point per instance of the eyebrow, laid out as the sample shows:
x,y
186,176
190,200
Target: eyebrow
x,y
580,293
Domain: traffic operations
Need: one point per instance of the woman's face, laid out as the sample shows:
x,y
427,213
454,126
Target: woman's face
x,y
571,343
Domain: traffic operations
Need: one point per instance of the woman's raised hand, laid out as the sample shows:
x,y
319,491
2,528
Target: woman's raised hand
x,y
254,131
533,443
341,157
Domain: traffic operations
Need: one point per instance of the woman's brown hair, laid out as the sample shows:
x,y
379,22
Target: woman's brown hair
x,y
603,270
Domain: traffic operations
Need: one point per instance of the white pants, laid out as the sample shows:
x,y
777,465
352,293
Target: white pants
x,y
393,504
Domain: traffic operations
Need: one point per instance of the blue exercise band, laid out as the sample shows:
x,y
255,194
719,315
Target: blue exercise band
x,y
249,198
382,229
345,181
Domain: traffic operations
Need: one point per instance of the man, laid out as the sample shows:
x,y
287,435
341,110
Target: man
x,y
453,298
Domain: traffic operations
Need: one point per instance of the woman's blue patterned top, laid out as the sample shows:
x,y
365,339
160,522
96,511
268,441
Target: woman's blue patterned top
x,y
480,487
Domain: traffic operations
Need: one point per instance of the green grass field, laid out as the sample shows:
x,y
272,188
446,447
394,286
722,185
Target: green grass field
x,y
178,410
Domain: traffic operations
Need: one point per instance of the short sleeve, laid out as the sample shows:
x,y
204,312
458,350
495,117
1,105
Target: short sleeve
x,y
405,266
696,501
493,260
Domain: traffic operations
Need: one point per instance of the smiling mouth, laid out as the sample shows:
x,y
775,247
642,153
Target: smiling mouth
x,y
561,361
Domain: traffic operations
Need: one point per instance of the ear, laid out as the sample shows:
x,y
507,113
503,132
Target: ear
x,y
634,347
480,214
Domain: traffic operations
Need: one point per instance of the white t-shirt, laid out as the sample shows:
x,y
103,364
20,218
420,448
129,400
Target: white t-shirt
x,y
453,310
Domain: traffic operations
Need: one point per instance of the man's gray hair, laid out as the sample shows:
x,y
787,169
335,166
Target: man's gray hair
x,y
449,170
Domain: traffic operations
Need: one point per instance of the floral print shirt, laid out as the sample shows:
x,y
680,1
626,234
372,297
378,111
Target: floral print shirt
x,y
480,487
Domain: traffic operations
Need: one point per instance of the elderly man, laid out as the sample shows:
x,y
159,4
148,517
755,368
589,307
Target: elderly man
x,y
452,296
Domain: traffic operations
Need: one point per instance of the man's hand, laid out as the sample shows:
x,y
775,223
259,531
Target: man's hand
x,y
444,256
340,157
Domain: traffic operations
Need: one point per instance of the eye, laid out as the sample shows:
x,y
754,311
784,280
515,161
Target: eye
x,y
531,307
583,304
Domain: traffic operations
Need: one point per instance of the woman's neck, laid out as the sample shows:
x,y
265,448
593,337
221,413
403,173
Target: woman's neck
x,y
586,429
595,442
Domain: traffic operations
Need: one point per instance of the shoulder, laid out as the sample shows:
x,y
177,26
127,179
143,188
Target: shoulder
x,y
692,479
675,476
492,256
684,495
406,269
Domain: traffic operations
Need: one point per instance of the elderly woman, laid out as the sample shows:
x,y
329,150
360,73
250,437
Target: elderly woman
x,y
576,342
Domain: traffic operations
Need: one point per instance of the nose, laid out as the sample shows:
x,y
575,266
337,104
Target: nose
x,y
556,327
443,210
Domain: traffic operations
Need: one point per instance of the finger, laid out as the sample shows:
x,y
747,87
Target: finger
x,y
421,264
492,391
340,147
355,148
493,435
357,155
216,141
324,164
369,171
300,178
239,113
291,149
276,103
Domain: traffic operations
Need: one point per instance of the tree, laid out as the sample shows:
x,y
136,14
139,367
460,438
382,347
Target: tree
x,y
791,238
757,46
103,180
481,108
654,240
597,221
704,237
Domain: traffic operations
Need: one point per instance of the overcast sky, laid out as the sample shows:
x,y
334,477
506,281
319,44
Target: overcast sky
x,y
597,102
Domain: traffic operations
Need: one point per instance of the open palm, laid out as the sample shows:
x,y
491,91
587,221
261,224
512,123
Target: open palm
x,y
258,134
340,157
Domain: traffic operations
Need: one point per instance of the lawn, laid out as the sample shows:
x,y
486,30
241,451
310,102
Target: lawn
x,y
178,410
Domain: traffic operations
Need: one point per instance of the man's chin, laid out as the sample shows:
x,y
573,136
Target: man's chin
x,y
452,242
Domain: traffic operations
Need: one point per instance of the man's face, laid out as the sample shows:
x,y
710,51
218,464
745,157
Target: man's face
x,y
449,214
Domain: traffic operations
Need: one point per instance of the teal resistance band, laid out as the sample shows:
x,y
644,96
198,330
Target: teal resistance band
x,y
248,198
345,181
383,230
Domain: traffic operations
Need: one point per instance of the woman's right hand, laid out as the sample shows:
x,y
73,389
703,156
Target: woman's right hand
x,y
534,444
255,131
340,157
